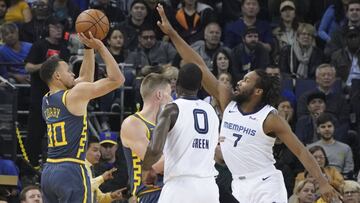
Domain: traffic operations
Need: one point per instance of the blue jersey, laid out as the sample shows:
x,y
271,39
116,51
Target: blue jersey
x,y
134,164
67,133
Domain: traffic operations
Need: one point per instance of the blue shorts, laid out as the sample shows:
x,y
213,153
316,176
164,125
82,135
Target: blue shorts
x,y
65,182
151,197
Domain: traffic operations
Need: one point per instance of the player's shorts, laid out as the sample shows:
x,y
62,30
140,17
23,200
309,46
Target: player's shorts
x,y
151,197
65,182
190,190
260,187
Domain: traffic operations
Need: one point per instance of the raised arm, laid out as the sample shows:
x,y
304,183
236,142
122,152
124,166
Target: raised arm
x,y
87,67
82,93
278,126
166,120
210,83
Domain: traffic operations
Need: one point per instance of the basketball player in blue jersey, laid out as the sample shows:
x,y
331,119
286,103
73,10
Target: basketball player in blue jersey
x,y
137,130
249,127
64,177
187,134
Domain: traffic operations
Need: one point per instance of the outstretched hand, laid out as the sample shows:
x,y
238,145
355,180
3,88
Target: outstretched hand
x,y
329,194
164,25
91,42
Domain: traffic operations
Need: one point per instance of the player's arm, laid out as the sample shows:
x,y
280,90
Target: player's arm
x,y
83,92
210,83
166,121
87,67
277,125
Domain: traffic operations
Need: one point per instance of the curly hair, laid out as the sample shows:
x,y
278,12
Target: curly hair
x,y
271,87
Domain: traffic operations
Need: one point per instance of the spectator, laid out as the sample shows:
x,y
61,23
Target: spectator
x,y
150,50
137,18
333,148
191,18
336,104
351,192
14,52
18,12
65,11
249,55
286,111
111,10
305,128
37,27
31,194
3,8
234,31
287,91
304,192
334,176
338,36
42,49
301,59
221,62
210,45
171,73
92,158
333,18
112,156
346,59
285,33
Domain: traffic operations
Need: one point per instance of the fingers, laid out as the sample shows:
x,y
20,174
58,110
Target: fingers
x,y
122,189
112,170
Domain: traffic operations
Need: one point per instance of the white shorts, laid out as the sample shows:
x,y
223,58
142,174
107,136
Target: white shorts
x,y
190,190
260,187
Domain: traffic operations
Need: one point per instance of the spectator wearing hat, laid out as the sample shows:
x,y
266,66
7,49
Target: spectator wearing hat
x,y
285,33
305,127
234,31
137,18
249,55
339,154
111,157
346,60
336,104
337,40
92,158
301,58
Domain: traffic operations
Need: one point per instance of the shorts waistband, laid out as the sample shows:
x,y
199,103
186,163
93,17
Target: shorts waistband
x,y
61,160
265,171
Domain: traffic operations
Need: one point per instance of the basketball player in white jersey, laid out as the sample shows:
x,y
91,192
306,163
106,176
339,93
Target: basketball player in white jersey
x,y
187,134
250,125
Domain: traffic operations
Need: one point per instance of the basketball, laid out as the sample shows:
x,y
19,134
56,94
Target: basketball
x,y
92,20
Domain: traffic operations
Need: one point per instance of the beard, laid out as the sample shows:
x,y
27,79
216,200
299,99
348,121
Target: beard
x,y
243,96
326,137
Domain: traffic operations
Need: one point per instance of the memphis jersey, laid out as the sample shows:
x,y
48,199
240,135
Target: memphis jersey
x,y
190,145
246,148
134,164
67,133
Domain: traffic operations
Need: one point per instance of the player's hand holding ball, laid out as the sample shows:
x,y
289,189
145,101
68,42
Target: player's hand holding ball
x,y
92,26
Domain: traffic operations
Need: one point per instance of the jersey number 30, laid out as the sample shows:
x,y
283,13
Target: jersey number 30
x,y
201,123
56,140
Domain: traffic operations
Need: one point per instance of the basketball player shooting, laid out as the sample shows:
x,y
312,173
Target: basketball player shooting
x,y
64,177
250,125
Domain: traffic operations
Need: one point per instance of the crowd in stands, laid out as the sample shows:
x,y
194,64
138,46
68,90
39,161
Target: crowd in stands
x,y
312,46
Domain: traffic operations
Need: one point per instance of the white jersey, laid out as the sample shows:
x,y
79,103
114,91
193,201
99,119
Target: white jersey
x,y
246,148
190,145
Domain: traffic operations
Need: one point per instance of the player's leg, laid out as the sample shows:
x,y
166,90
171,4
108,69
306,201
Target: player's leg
x,y
47,177
271,188
74,184
190,190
